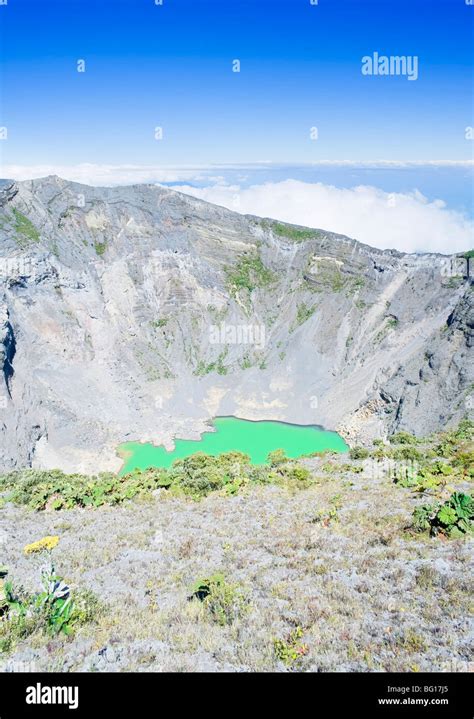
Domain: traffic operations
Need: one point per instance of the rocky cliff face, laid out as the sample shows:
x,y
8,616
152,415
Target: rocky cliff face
x,y
139,313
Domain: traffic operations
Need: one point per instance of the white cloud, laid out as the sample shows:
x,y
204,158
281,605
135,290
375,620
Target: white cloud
x,y
404,221
108,175
100,174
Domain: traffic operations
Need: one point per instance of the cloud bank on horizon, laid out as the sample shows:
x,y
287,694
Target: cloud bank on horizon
x,y
406,221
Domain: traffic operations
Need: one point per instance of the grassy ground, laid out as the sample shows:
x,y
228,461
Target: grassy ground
x,y
322,575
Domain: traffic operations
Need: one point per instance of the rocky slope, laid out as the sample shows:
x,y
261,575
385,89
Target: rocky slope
x,y
139,313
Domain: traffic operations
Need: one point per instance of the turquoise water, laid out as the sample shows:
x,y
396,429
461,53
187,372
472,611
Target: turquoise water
x,y
256,439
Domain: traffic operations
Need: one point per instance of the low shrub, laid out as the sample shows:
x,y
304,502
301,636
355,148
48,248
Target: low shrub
x,y
277,458
453,518
200,474
327,515
290,650
51,611
223,601
358,453
54,489
403,438
448,443
195,476
463,459
407,452
426,478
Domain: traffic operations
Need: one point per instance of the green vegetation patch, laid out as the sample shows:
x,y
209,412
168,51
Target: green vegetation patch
x,y
222,600
245,362
403,438
53,489
100,248
291,232
427,478
162,322
328,278
203,368
432,465
443,454
390,323
248,274
50,612
290,649
303,313
359,453
26,232
195,476
453,518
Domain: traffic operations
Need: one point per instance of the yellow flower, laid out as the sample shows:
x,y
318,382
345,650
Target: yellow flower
x,y
48,543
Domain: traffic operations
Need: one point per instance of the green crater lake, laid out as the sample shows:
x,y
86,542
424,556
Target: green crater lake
x,y
256,439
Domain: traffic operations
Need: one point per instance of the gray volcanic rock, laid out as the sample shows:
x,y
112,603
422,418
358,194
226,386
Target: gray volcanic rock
x,y
139,313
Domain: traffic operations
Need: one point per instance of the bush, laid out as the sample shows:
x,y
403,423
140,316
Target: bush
x,y
294,233
51,611
407,452
277,458
328,515
464,459
422,479
289,650
449,442
200,474
403,438
223,601
195,476
454,518
358,453
297,473
247,274
56,490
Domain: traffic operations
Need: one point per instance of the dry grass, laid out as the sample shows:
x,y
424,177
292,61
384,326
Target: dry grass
x,y
364,593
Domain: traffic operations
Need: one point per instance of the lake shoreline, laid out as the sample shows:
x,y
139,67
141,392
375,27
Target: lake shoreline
x,y
126,450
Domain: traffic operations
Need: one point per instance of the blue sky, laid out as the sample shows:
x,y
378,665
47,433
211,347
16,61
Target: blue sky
x,y
171,66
